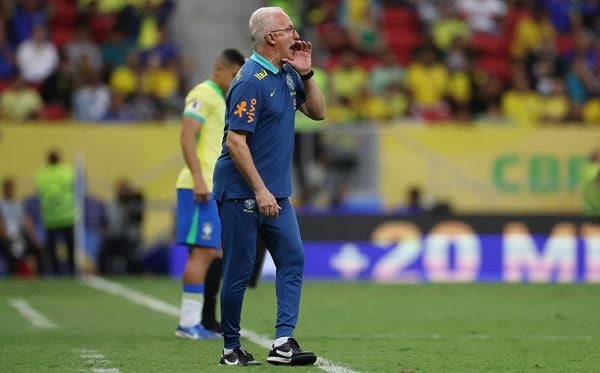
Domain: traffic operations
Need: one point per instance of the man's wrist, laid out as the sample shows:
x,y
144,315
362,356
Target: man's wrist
x,y
307,76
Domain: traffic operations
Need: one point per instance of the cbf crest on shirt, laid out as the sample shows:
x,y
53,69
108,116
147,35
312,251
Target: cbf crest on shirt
x,y
261,102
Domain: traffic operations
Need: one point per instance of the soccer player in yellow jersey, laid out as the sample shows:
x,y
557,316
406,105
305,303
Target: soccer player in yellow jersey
x,y
198,223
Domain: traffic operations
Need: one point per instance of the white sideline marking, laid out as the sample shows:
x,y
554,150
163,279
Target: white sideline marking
x,y
160,306
95,358
321,363
34,317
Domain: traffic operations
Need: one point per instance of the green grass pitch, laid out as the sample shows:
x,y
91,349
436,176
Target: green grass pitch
x,y
360,326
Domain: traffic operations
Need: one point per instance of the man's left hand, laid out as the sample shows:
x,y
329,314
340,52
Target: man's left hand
x,y
302,60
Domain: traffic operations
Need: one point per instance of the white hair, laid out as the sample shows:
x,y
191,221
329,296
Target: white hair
x,y
261,23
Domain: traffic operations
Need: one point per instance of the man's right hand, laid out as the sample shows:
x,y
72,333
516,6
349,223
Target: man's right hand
x,y
201,192
267,204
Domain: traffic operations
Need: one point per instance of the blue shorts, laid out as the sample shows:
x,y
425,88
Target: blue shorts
x,y
198,223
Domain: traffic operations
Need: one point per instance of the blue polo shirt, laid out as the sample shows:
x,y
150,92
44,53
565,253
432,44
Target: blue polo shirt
x,y
261,101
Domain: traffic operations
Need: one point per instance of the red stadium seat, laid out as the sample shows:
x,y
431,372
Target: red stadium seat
x,y
403,43
100,26
332,62
498,66
4,84
490,45
62,36
564,43
53,112
400,19
368,62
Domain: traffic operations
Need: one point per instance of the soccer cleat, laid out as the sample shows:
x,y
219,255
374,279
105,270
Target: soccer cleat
x,y
197,332
290,353
238,356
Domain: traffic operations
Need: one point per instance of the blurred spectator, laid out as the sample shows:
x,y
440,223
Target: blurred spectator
x,y
18,242
349,77
427,81
458,55
590,185
561,13
160,80
143,106
19,102
37,57
165,48
365,34
557,106
582,82
483,15
83,48
91,101
116,49
485,103
7,56
57,89
27,14
520,104
149,34
120,250
96,225
414,204
55,184
340,111
531,32
125,79
119,110
544,66
591,111
370,107
429,11
98,23
129,20
396,101
586,50
449,27
387,72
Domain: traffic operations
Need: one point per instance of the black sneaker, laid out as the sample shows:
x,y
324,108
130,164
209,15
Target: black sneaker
x,y
290,353
238,356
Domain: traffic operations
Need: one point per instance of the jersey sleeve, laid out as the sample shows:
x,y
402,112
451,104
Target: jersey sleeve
x,y
197,106
244,107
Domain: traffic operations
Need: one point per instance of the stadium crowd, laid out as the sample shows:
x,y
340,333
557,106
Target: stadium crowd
x,y
89,60
525,62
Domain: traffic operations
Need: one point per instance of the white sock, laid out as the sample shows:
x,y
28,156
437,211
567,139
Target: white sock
x,y
227,351
279,341
191,308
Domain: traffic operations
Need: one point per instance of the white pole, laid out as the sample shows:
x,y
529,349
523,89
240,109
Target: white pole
x,y
79,231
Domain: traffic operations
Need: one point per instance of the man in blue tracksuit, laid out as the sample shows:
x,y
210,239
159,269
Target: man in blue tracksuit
x,y
252,179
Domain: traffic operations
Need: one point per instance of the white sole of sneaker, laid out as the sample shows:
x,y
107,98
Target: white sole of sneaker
x,y
182,335
279,360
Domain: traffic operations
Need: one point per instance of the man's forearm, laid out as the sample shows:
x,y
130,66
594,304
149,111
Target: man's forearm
x,y
240,153
314,101
188,148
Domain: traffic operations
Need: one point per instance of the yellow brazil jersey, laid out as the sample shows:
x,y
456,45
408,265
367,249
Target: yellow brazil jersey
x,y
205,103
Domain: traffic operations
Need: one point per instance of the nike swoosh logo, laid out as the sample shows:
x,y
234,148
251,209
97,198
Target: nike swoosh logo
x,y
272,93
235,362
284,354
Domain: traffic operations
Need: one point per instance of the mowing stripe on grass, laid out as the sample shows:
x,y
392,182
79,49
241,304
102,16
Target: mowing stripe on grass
x,y
160,306
463,336
33,316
